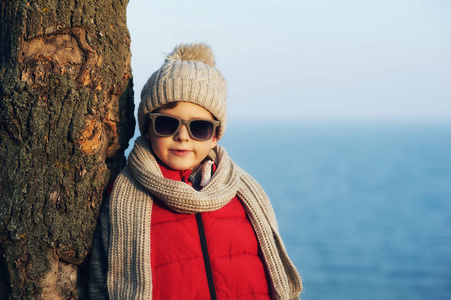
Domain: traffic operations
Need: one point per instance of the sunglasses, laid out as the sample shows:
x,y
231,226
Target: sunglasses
x,y
198,129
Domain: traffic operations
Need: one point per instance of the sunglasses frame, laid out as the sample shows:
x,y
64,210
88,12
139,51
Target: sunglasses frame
x,y
187,123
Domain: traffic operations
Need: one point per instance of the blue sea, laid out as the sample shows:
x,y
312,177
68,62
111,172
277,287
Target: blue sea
x,y
364,209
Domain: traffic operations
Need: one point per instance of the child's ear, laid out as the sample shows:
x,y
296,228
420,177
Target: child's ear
x,y
147,135
148,129
214,141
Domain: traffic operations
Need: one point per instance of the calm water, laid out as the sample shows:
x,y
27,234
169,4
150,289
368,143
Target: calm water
x,y
364,209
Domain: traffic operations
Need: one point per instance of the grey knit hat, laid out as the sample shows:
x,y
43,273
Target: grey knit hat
x,y
188,74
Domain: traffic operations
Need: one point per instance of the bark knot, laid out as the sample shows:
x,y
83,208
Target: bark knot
x,y
62,52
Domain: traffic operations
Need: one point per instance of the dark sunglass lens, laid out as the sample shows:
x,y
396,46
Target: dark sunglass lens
x,y
201,130
166,125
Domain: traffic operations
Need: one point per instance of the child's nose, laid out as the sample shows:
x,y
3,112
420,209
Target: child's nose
x,y
182,134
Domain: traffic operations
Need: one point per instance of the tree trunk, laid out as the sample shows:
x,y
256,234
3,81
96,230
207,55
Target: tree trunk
x,y
66,116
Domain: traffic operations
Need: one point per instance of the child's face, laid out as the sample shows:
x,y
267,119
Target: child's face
x,y
180,151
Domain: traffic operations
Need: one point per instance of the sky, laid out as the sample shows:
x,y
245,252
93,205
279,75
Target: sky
x,y
386,60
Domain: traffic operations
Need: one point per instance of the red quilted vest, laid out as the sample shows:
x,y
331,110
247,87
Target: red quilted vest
x,y
205,255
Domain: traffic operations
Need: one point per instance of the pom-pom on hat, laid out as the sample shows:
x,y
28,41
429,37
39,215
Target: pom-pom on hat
x,y
188,74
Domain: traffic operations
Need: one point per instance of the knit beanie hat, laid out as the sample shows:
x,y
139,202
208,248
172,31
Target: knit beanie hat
x,y
188,74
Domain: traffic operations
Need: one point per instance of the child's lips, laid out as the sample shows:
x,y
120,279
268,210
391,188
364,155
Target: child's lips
x,y
180,152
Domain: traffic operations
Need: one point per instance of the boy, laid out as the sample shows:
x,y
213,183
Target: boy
x,y
183,221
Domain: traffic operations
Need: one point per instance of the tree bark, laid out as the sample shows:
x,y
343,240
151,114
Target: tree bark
x,y
66,116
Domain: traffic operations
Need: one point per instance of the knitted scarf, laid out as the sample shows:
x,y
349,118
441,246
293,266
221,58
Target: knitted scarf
x,y
129,265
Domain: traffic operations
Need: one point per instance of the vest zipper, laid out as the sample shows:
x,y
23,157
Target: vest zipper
x,y
203,244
